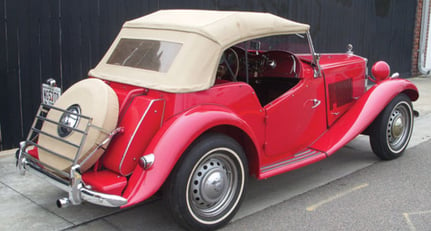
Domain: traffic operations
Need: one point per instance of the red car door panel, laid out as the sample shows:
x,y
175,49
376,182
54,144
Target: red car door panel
x,y
289,131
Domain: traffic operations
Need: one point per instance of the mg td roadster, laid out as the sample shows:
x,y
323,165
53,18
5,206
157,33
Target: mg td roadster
x,y
191,103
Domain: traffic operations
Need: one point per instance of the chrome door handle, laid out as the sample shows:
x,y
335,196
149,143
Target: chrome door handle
x,y
316,103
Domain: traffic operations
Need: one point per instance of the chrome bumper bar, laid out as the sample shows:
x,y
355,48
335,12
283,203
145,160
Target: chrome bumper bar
x,y
77,190
68,180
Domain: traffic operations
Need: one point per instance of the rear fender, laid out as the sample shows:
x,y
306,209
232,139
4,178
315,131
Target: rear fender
x,y
171,141
363,113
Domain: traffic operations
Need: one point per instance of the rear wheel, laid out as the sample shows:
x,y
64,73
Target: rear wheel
x,y
206,188
391,131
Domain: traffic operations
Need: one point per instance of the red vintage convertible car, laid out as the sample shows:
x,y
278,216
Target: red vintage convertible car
x,y
192,102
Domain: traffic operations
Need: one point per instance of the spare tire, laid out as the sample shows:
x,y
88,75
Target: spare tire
x,y
89,98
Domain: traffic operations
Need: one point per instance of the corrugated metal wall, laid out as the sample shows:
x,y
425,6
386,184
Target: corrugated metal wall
x,y
63,39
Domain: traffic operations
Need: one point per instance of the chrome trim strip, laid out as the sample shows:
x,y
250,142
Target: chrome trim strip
x,y
133,135
136,130
297,157
163,114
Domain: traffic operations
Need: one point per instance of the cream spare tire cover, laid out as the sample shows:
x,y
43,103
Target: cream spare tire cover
x,y
92,98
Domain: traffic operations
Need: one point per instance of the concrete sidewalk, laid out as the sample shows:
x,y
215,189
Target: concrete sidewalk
x,y
28,203
423,104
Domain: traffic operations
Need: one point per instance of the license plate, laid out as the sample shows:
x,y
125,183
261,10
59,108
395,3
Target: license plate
x,y
50,94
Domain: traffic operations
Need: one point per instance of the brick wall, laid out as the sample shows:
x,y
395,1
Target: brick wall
x,y
416,38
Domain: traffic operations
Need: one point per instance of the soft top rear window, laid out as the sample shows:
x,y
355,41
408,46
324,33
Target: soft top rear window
x,y
145,54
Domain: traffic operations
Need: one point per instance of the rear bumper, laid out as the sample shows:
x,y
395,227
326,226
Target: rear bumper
x,y
77,190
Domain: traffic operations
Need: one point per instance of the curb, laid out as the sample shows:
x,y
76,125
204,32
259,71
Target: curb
x,y
8,153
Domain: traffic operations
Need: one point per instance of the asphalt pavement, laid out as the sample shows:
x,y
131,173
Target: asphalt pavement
x,y
329,195
388,195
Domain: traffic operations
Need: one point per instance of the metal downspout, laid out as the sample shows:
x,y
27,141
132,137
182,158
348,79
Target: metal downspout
x,y
423,38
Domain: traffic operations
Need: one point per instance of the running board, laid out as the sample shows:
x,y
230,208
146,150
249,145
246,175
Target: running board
x,y
298,160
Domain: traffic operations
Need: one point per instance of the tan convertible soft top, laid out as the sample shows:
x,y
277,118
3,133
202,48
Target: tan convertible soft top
x,y
223,27
203,34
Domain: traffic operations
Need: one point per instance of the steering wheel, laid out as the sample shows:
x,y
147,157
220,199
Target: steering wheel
x,y
229,61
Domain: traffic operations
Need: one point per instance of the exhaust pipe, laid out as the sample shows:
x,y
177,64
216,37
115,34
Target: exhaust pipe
x,y
63,202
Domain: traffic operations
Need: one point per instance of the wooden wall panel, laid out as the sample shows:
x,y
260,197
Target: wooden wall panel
x,y
62,39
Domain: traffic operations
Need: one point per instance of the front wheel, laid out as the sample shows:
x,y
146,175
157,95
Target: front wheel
x,y
208,184
392,129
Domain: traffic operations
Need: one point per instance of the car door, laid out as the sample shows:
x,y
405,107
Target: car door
x,y
296,119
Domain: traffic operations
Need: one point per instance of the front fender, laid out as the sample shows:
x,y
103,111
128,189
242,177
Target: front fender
x,y
363,113
171,141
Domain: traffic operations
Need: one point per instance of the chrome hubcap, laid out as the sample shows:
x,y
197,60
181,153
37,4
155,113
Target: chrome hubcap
x,y
69,120
399,127
213,184
210,183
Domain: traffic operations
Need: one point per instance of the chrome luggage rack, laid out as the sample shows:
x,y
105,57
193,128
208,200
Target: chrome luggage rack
x,y
68,180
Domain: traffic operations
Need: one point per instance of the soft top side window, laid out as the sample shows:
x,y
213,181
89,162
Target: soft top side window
x,y
145,54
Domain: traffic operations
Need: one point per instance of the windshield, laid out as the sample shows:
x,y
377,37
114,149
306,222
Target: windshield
x,y
293,43
145,54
